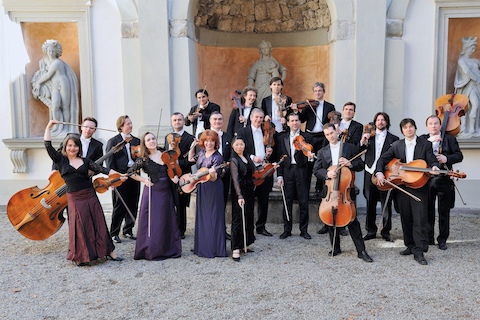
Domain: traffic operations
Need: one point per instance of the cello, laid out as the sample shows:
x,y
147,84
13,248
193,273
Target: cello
x,y
337,208
450,108
37,213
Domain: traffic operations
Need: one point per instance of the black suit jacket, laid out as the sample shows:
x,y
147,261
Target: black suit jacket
x,y
119,160
308,115
95,151
283,148
267,105
423,150
370,155
234,125
450,149
324,160
184,146
355,131
205,116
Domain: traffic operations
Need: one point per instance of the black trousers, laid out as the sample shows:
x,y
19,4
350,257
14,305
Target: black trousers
x,y
414,217
355,233
294,178
319,142
373,195
443,189
182,201
130,192
262,194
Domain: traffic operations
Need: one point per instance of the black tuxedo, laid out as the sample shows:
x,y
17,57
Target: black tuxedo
x,y
355,131
294,178
182,201
414,215
262,191
323,162
95,150
308,115
371,192
129,190
234,125
205,116
442,187
267,107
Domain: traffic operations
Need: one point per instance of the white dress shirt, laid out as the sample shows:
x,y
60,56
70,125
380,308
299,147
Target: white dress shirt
x,y
127,146
246,114
410,149
379,141
258,143
220,137
200,122
344,125
318,127
335,151
276,120
85,144
292,147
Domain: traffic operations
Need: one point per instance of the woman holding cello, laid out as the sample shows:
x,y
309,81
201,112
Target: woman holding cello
x,y
88,234
344,206
158,236
210,210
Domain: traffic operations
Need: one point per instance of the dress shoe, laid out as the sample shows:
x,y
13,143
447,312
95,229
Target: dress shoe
x,y
323,230
116,239
369,236
442,246
305,235
182,235
109,257
236,255
250,250
130,236
335,253
421,260
227,236
343,232
82,264
431,242
265,233
406,252
236,259
388,238
285,235
364,256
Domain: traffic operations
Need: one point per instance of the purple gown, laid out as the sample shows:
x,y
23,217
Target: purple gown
x,y
210,239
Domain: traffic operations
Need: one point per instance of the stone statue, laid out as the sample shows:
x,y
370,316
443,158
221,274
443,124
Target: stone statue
x,y
467,82
263,70
56,85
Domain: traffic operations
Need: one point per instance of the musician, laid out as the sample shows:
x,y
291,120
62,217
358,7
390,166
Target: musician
x,y
91,147
182,201
240,117
414,214
376,145
326,157
88,233
315,120
441,186
293,174
354,128
201,120
253,137
129,190
271,108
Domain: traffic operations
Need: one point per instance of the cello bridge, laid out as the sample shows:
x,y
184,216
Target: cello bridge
x,y
45,205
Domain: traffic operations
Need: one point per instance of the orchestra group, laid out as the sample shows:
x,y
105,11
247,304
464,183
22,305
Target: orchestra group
x,y
241,163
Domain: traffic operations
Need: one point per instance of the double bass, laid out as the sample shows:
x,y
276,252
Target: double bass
x,y
37,213
450,108
337,208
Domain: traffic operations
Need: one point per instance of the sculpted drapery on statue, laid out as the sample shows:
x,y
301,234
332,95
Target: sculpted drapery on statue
x,y
263,70
56,85
467,82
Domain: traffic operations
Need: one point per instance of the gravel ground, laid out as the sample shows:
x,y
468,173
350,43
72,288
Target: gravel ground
x,y
292,278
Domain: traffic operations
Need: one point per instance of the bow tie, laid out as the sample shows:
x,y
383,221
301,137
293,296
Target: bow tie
x,y
86,140
334,146
410,143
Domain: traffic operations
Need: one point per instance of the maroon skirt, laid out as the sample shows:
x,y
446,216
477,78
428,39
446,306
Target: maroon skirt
x,y
89,238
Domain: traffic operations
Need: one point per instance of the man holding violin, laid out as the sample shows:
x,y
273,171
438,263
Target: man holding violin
x,y
293,174
448,153
199,115
129,191
413,213
332,155
240,116
254,146
272,105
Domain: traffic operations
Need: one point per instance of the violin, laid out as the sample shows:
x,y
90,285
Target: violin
x,y
301,145
450,108
334,117
306,103
268,132
337,208
413,174
200,108
134,151
189,181
259,176
101,184
369,128
170,157
37,213
236,96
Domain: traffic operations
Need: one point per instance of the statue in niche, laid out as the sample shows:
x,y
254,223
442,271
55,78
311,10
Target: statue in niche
x,y
263,70
56,85
467,82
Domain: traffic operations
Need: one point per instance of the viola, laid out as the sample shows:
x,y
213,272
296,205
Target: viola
x,y
268,132
189,181
37,213
306,104
450,108
268,169
413,174
237,101
134,151
102,184
301,145
337,208
334,117
170,157
369,128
